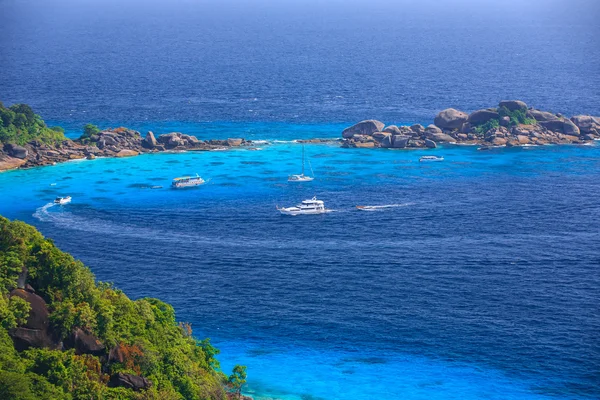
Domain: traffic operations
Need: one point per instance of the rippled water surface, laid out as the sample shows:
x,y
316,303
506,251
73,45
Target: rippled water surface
x,y
482,282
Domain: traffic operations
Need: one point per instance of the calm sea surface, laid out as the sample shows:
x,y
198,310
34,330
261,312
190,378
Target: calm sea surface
x,y
482,280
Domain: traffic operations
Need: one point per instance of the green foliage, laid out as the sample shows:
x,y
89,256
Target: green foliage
x,y
144,332
483,128
88,131
516,117
14,386
237,379
19,125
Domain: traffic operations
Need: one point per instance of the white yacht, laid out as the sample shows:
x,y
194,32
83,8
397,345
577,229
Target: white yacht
x,y
187,181
307,207
301,177
62,200
431,159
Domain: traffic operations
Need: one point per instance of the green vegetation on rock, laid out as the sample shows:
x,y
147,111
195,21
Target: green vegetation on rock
x,y
516,117
19,125
88,131
96,336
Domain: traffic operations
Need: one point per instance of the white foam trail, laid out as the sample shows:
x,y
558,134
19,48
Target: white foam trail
x,y
285,141
42,213
383,207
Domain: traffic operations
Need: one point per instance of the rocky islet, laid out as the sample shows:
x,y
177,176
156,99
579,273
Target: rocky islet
x,y
512,123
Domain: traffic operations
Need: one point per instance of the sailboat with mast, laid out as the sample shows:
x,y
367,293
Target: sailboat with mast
x,y
301,177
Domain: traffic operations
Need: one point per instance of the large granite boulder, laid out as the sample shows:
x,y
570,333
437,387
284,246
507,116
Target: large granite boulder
x,y
386,143
399,141
480,117
109,138
379,136
432,129
441,138
36,331
364,145
149,141
541,115
554,125
126,153
450,119
513,105
16,151
393,129
84,343
569,128
586,123
430,144
434,133
129,381
234,142
367,127
418,129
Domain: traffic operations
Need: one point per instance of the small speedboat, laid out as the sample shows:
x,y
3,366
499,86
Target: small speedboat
x,y
307,207
62,200
431,159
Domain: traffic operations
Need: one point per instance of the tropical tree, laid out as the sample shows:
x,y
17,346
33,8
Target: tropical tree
x,y
237,379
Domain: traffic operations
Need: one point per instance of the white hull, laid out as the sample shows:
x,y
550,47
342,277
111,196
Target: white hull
x,y
307,207
295,211
187,181
187,185
300,178
62,200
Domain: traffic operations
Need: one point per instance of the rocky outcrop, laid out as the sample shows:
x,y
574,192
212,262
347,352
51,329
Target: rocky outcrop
x,y
234,142
511,128
36,332
129,381
393,129
541,115
482,116
84,343
450,119
399,141
118,142
513,105
149,141
16,151
367,127
587,123
7,162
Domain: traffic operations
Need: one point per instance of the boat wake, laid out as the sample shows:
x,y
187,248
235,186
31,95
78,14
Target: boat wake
x,y
382,207
42,213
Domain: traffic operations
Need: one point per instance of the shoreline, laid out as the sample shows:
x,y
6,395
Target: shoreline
x,y
511,124
8,163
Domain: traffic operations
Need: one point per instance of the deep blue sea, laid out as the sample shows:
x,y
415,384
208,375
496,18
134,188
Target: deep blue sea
x,y
481,282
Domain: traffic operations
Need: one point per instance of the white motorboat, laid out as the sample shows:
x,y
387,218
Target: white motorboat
x,y
301,177
431,159
62,200
187,181
307,207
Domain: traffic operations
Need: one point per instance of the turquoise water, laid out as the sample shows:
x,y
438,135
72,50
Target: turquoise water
x,y
479,284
